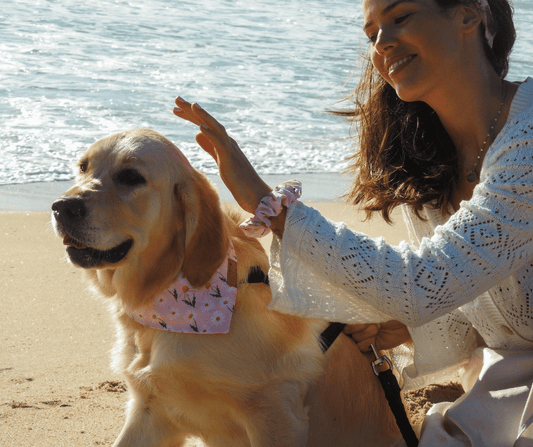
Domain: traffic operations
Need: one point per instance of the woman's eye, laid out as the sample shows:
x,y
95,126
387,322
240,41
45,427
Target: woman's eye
x,y
372,36
401,18
130,177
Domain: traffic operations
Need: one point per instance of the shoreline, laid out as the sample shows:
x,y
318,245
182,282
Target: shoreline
x,y
39,196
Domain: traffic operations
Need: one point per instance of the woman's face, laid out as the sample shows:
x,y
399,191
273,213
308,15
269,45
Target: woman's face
x,y
415,46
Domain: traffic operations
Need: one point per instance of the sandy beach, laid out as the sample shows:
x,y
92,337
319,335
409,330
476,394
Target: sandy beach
x,y
56,387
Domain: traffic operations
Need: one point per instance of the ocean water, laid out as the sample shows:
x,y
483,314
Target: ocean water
x,y
73,72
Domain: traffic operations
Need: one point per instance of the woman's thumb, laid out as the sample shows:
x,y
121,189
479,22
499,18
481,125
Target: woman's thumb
x,y
206,145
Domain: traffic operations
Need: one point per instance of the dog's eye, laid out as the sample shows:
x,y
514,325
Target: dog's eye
x,y
83,166
130,177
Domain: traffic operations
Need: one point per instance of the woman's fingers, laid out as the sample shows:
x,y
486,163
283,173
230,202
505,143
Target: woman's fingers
x,y
363,334
209,126
210,122
186,114
213,137
184,111
386,335
391,334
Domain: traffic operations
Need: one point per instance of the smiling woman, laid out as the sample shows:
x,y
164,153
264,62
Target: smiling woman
x,y
406,156
444,135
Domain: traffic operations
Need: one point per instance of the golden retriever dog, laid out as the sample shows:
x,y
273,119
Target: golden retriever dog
x,y
138,217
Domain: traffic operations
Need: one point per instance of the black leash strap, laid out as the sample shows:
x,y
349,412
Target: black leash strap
x,y
392,393
329,335
256,275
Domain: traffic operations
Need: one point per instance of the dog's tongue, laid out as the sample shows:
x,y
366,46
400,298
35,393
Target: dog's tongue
x,y
67,240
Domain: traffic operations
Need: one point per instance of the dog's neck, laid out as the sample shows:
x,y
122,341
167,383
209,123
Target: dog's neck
x,y
186,309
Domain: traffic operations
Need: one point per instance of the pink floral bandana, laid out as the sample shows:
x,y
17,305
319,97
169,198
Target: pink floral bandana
x,y
182,308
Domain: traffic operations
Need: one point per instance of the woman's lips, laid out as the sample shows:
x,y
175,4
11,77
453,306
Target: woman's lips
x,y
398,65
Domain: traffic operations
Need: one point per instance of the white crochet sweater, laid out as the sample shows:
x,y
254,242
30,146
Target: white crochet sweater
x,y
471,270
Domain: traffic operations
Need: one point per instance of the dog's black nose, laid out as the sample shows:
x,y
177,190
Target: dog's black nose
x,y
70,208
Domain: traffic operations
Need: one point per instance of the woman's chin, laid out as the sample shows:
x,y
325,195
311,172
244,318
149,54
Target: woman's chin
x,y
407,92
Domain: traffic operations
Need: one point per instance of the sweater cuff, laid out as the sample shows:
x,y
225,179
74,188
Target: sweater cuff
x,y
298,218
288,247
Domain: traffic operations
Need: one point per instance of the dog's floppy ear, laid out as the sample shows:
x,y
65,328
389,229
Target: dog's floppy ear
x,y
206,236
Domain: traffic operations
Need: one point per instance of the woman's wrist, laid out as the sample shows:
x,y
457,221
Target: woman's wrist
x,y
272,209
277,223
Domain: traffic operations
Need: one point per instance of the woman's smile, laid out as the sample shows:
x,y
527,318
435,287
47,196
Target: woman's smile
x,y
396,67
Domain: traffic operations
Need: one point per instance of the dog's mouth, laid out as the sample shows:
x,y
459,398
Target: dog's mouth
x,y
87,257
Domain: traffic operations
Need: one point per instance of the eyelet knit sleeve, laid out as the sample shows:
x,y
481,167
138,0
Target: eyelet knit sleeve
x,y
324,270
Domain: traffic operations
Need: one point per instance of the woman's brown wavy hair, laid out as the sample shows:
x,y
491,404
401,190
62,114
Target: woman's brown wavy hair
x,y
404,155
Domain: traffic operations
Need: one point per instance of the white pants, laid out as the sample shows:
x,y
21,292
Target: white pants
x,y
496,412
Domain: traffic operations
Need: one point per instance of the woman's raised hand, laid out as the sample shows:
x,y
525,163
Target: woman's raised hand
x,y
235,170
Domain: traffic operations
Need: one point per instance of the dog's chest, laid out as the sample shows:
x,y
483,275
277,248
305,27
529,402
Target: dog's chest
x,y
190,393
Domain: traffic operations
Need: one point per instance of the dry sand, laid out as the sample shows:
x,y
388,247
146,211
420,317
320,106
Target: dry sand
x,y
56,386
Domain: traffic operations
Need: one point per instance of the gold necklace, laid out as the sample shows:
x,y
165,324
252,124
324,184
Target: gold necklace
x,y
472,176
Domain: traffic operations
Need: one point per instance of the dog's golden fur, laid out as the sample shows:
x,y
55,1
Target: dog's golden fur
x,y
266,382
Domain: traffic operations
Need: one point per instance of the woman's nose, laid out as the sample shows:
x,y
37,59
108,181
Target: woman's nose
x,y
385,40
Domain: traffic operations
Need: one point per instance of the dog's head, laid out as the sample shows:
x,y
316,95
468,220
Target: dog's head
x,y
139,215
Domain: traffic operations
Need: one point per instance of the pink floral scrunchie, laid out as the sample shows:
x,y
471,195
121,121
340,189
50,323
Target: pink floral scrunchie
x,y
283,195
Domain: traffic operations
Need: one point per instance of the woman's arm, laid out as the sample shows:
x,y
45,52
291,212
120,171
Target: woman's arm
x,y
487,240
484,242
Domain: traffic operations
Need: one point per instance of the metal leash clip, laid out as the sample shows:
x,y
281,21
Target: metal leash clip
x,y
380,360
